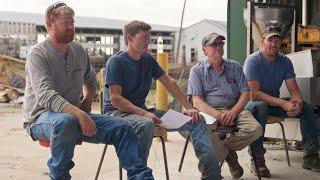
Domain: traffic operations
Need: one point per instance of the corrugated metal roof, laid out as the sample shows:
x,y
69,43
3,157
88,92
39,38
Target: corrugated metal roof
x,y
219,24
80,21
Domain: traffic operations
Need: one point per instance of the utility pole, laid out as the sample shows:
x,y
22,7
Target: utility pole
x,y
180,31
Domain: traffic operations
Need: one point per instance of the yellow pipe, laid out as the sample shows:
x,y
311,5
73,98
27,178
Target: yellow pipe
x,y
161,91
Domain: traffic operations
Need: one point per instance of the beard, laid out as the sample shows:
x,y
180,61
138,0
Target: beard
x,y
273,52
65,37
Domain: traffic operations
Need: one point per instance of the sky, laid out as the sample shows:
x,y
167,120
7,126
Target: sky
x,y
163,12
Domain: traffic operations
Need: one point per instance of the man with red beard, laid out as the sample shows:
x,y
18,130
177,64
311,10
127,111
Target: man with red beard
x,y
265,71
58,71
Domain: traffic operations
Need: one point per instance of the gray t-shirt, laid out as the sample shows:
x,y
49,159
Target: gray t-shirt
x,y
52,81
270,74
219,90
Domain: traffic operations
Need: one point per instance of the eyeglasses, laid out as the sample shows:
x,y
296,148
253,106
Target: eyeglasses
x,y
217,44
56,6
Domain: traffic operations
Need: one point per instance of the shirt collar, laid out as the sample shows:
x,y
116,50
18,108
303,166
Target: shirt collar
x,y
209,66
275,60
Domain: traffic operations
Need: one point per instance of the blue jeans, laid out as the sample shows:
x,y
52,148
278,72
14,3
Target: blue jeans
x,y
261,110
63,131
208,162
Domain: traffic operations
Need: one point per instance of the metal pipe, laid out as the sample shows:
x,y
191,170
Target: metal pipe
x,y
293,33
304,12
161,91
249,27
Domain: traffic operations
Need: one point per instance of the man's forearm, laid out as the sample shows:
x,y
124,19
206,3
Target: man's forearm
x,y
242,101
273,101
204,107
72,110
174,89
124,105
89,91
296,95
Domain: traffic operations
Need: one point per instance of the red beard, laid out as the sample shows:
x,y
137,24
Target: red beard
x,y
65,37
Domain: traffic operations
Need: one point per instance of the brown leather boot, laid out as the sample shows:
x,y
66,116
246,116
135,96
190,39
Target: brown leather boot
x,y
235,168
261,163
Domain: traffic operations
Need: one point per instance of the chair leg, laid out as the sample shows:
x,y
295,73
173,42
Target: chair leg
x,y
256,164
221,164
101,161
164,157
120,172
285,143
183,153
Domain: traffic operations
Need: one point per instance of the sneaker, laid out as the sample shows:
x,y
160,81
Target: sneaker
x,y
235,168
261,163
311,163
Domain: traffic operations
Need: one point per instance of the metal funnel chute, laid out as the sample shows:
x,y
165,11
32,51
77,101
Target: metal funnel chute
x,y
266,16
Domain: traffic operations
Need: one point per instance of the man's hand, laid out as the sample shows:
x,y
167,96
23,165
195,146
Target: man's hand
x,y
86,105
192,113
297,107
228,118
293,107
218,116
88,126
287,105
152,116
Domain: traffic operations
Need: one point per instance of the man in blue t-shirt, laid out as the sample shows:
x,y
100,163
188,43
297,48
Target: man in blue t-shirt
x,y
265,71
128,80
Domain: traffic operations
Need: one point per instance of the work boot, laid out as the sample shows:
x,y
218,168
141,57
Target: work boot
x,y
235,168
261,163
311,160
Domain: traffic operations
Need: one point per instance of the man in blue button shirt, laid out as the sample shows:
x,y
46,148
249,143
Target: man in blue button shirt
x,y
219,88
265,71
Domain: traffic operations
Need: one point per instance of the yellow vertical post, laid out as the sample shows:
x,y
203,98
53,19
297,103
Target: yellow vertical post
x,y
162,93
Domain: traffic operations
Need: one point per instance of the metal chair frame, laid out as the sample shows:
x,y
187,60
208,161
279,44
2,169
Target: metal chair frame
x,y
120,168
274,119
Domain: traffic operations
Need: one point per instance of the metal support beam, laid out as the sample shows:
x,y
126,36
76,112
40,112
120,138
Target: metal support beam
x,y
304,12
293,33
249,27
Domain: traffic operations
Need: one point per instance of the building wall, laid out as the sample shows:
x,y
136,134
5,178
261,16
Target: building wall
x,y
108,43
191,39
18,29
122,43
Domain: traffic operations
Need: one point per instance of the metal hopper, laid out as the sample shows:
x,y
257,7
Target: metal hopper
x,y
266,16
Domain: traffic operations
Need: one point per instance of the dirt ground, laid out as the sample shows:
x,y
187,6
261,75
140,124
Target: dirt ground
x,y
23,159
